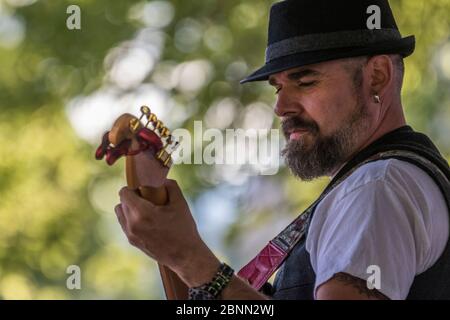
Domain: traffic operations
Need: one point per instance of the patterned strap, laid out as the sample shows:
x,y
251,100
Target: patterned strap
x,y
258,271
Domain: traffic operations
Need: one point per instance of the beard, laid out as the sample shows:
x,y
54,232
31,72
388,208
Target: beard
x,y
321,155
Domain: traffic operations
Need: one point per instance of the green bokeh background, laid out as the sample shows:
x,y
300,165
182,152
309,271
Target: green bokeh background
x,y
60,88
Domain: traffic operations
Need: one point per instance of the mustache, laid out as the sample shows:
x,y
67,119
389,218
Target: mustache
x,y
293,123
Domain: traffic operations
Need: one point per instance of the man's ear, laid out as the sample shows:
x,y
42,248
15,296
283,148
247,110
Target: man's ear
x,y
381,74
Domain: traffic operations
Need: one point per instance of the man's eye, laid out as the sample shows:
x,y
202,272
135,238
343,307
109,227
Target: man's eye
x,y
306,84
300,84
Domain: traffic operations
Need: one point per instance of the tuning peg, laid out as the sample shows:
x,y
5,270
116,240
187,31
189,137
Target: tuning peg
x,y
134,124
164,156
151,118
159,125
175,145
164,132
145,111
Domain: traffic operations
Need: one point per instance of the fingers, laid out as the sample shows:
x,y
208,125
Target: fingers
x,y
128,227
132,199
128,195
121,218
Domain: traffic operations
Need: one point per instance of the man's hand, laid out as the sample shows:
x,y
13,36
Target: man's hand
x,y
167,233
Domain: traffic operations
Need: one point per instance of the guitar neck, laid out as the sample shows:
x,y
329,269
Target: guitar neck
x,y
174,287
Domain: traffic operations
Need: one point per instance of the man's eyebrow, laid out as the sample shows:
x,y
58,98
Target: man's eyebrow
x,y
296,75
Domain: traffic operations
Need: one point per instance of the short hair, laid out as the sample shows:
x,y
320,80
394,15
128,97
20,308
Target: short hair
x,y
354,67
399,64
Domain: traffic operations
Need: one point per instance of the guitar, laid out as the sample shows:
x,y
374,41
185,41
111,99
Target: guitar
x,y
148,150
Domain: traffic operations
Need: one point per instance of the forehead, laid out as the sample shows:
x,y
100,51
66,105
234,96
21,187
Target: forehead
x,y
317,69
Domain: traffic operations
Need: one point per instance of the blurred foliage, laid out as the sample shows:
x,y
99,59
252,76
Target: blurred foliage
x,y
56,202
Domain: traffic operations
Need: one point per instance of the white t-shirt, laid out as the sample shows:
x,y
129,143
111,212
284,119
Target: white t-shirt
x,y
388,213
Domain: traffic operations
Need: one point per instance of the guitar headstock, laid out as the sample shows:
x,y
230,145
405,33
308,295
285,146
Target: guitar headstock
x,y
147,147
128,137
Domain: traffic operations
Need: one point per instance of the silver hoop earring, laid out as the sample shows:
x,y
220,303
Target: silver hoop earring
x,y
376,98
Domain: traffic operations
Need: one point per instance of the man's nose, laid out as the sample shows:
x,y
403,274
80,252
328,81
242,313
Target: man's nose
x,y
286,105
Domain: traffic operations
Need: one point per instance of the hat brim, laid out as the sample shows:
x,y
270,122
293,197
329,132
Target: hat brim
x,y
404,46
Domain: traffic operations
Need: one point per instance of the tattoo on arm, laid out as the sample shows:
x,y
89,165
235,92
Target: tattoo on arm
x,y
360,285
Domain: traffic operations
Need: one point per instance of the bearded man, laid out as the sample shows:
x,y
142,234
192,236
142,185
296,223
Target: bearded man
x,y
337,68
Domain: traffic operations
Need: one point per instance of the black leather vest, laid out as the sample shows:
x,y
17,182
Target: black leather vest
x,y
296,278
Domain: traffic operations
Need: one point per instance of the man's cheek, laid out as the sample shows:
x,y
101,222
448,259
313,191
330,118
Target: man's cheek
x,y
327,122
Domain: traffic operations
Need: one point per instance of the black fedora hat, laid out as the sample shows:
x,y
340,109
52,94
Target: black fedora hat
x,y
303,32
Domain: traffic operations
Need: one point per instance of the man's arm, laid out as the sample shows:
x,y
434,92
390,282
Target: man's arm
x,y
237,289
346,287
168,234
341,287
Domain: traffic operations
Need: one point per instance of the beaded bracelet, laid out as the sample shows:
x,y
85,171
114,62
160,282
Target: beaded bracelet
x,y
212,290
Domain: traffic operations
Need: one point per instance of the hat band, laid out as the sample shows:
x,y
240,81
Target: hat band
x,y
332,40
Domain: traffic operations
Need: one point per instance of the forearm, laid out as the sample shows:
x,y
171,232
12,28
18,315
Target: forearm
x,y
237,289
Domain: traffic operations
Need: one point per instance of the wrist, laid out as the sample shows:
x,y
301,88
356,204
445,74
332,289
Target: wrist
x,y
198,267
213,289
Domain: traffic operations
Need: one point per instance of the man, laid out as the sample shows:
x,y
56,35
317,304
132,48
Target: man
x,y
338,79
